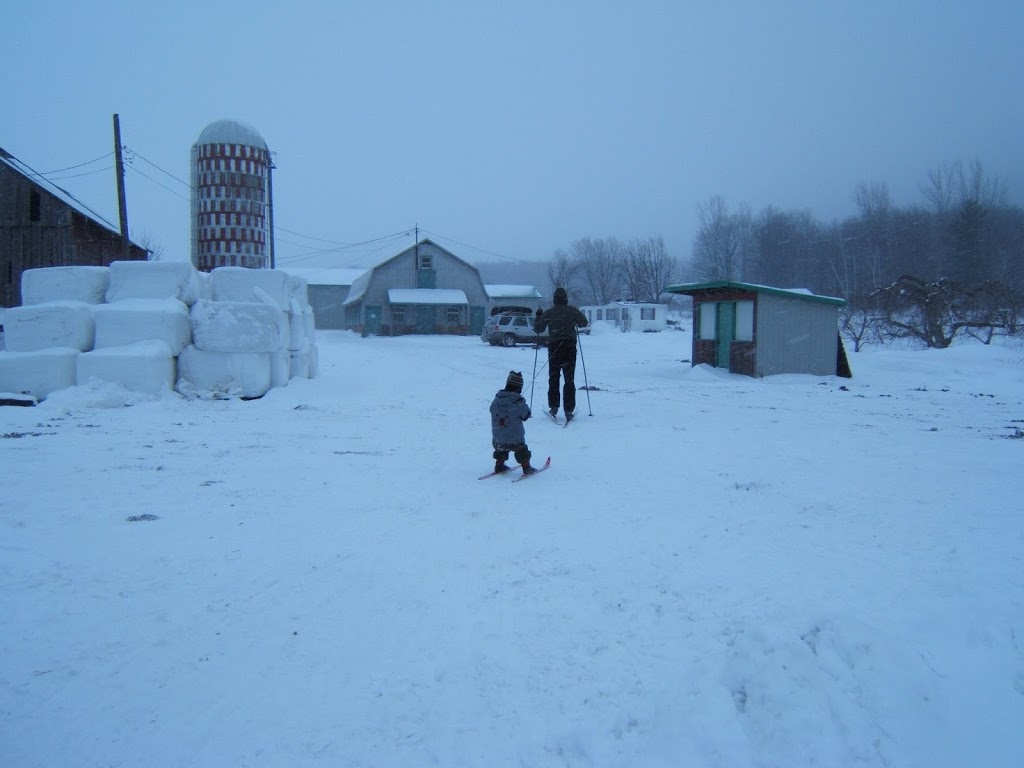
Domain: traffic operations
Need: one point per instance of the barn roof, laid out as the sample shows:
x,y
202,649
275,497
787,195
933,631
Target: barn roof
x,y
794,293
326,275
52,189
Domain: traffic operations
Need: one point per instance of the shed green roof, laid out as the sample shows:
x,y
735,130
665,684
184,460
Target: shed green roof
x,y
795,293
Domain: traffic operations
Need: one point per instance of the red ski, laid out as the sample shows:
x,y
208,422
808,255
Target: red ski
x,y
492,474
539,470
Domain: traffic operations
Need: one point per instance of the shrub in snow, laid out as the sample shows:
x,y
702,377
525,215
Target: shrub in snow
x,y
223,374
56,324
153,280
132,320
38,373
233,326
145,366
45,284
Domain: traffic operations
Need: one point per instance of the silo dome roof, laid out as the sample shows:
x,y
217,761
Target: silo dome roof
x,y
231,132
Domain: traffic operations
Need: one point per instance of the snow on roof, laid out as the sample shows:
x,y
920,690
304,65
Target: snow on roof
x,y
326,276
426,296
61,194
231,132
691,288
512,292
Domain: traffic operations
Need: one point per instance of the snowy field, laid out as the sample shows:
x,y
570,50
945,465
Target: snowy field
x,y
716,571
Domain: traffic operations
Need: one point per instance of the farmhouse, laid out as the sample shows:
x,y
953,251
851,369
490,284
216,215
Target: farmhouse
x,y
41,225
759,331
629,315
424,289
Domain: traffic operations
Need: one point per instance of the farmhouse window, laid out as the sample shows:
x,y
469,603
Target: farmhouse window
x,y
398,315
453,315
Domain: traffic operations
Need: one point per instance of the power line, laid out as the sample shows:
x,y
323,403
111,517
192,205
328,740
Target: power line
x,y
77,175
80,165
475,248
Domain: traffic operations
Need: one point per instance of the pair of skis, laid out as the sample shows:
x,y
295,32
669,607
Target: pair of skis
x,y
555,419
540,469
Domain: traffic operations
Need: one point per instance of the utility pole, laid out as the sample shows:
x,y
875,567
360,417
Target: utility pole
x,y
122,205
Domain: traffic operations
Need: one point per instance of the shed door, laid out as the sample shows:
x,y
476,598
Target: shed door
x,y
476,320
726,324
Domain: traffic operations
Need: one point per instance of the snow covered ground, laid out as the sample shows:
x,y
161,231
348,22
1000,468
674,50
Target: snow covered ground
x,y
716,571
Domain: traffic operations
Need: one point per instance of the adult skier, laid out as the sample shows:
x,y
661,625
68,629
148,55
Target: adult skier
x,y
561,320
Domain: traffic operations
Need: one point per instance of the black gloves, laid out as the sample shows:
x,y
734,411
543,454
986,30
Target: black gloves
x,y
539,311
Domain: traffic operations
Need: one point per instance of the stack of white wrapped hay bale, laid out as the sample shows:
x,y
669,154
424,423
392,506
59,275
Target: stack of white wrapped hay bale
x,y
154,326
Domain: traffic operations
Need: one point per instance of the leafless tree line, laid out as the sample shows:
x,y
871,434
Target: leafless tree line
x,y
600,271
952,264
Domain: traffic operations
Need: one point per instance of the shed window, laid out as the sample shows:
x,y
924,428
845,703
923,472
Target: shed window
x,y
646,313
744,321
426,261
706,328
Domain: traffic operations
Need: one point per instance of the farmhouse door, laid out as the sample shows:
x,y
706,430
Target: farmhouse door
x,y
725,329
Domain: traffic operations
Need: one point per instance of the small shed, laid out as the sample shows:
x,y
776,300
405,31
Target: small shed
x,y
629,315
327,289
757,330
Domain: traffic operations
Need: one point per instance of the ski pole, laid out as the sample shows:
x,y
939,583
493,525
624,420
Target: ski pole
x,y
586,384
534,379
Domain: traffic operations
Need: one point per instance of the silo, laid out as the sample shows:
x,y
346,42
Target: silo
x,y
231,198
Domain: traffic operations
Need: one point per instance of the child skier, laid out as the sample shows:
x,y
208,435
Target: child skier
x,y
508,412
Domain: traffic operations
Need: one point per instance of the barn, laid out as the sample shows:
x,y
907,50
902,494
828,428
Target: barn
x,y
425,289
42,225
757,330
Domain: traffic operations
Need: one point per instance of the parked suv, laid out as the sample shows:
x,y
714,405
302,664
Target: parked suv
x,y
512,327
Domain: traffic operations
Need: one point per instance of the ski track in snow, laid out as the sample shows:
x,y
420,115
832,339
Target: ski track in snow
x,y
716,571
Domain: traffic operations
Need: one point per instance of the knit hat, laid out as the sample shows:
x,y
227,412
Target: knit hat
x,y
514,382
561,297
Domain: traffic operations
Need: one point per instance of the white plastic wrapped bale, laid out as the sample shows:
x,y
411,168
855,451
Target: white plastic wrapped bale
x,y
205,285
297,338
280,368
298,290
153,280
240,284
223,374
132,320
38,373
45,284
235,326
299,359
55,324
145,366
314,361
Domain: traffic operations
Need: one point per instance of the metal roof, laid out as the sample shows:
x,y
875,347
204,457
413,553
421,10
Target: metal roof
x,y
793,293
231,132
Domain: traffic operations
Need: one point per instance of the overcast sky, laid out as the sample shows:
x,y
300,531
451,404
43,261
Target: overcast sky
x,y
511,129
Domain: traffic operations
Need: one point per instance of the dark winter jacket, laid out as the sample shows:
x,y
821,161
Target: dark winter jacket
x,y
562,320
508,412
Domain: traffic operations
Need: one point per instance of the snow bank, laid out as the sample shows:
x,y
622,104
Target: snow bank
x,y
239,284
234,326
145,366
223,374
56,324
38,373
133,320
153,280
46,284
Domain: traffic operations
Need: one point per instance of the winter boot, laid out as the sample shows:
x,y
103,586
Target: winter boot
x,y
527,469
569,415
499,467
553,412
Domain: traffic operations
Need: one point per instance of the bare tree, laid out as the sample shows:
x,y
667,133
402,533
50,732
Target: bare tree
x,y
598,263
723,241
562,271
648,268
